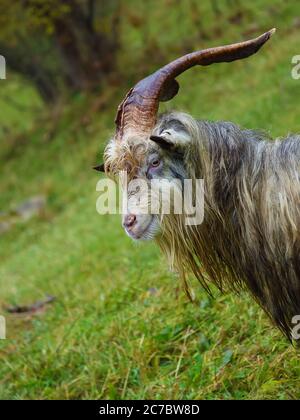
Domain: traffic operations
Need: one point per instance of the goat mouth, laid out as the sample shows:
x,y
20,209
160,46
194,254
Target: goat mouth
x,y
145,234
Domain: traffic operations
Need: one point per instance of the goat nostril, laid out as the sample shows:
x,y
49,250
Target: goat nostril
x,y
130,220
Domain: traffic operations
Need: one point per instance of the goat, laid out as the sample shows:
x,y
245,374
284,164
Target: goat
x,y
249,237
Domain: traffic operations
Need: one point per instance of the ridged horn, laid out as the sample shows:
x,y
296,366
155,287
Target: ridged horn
x,y
138,111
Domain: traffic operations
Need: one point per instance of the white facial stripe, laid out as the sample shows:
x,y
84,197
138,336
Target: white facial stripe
x,y
178,138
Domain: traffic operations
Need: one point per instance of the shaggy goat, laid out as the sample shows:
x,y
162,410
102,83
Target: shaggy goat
x,y
250,236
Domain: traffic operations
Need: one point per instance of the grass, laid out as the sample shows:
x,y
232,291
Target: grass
x,y
121,326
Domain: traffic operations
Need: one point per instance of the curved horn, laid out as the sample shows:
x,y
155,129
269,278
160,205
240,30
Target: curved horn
x,y
139,108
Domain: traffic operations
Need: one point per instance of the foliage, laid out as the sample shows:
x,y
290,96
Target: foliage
x,y
59,46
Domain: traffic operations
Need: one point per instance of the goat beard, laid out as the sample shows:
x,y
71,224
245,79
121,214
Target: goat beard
x,y
218,252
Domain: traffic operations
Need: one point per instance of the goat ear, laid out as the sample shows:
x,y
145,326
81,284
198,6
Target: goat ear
x,y
99,168
162,142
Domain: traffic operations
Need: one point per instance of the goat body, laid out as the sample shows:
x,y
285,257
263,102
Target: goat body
x,y
251,231
250,236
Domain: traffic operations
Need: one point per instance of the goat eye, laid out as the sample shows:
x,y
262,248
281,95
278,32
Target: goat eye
x,y
155,163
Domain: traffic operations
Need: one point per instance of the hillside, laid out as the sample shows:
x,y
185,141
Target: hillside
x,y
120,326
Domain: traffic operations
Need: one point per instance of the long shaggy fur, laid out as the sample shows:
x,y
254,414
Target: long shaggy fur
x,y
250,236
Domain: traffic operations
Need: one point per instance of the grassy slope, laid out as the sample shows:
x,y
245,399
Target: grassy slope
x,y
109,335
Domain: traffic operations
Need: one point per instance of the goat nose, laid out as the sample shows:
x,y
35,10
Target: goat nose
x,y
129,220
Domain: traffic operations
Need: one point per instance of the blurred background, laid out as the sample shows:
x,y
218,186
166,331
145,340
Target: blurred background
x,y
120,325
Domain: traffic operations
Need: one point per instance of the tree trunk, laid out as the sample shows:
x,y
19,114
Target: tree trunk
x,y
88,55
66,42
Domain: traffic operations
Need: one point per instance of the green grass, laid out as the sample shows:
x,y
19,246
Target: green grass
x,y
121,326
